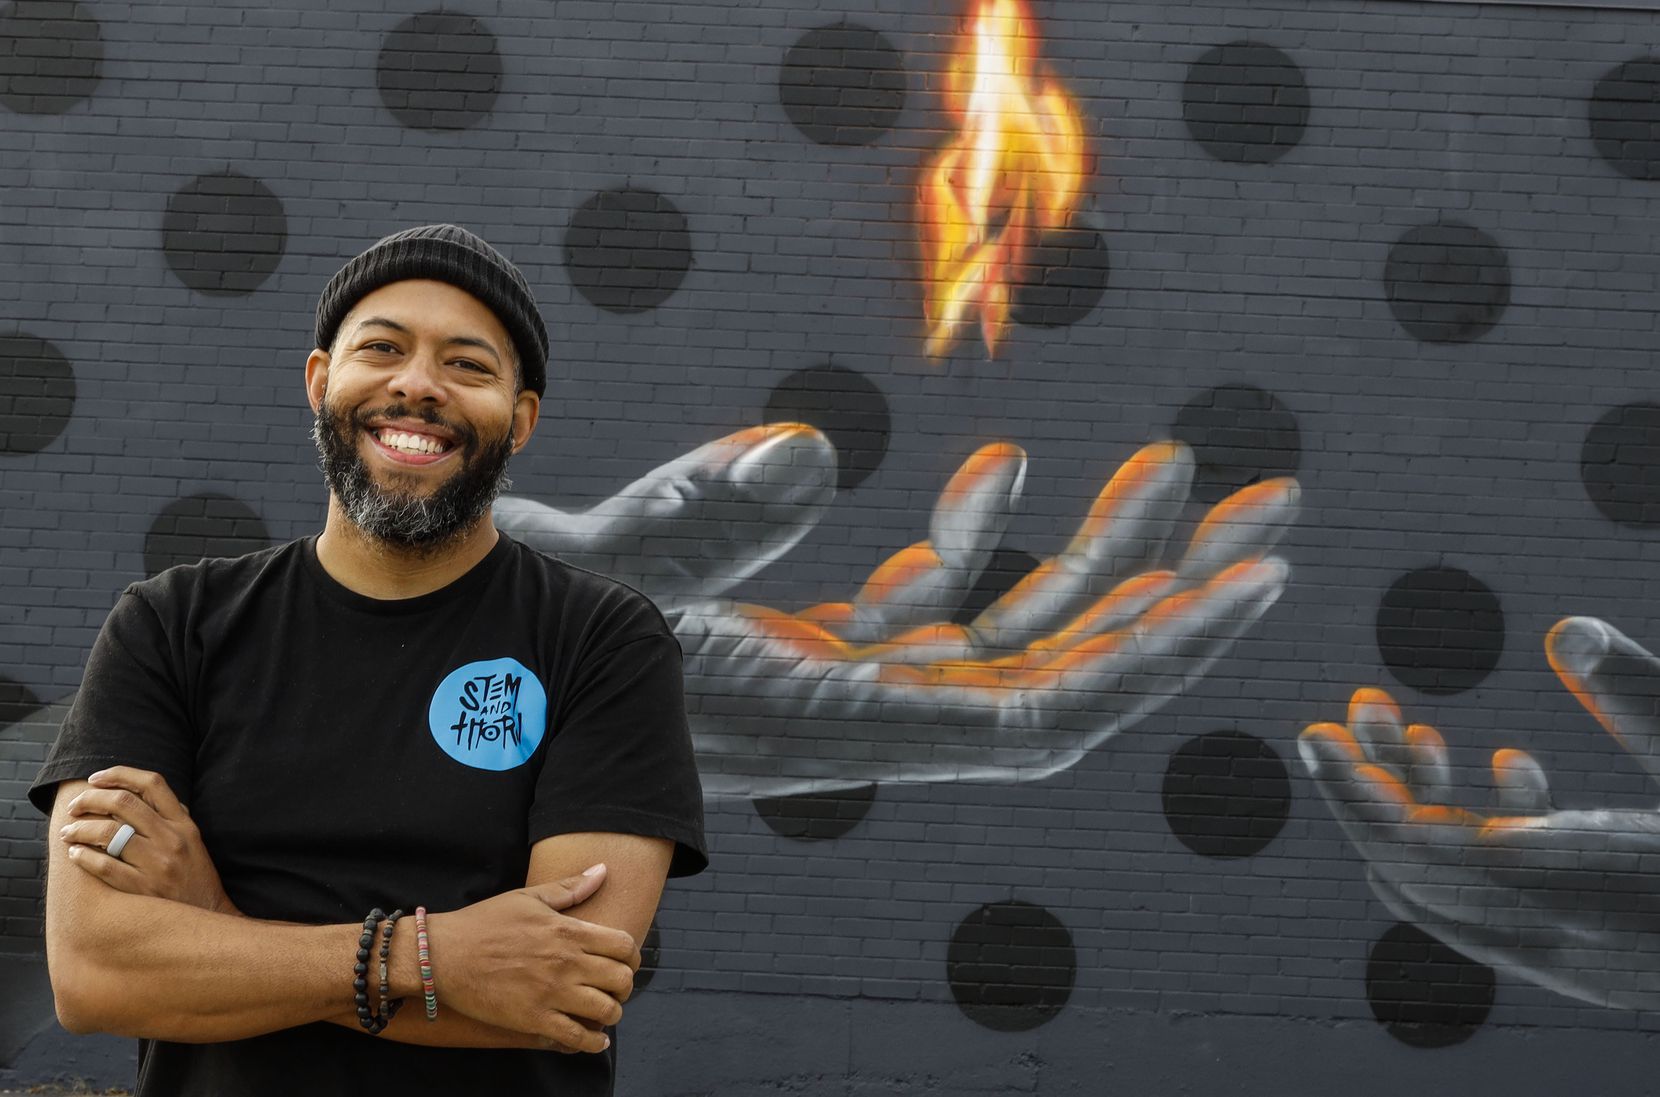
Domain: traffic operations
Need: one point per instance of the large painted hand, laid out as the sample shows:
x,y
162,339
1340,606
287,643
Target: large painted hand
x,y
886,688
1567,899
698,526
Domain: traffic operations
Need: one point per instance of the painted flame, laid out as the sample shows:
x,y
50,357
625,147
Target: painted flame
x,y
1014,169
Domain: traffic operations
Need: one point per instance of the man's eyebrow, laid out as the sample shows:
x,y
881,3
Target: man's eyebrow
x,y
453,341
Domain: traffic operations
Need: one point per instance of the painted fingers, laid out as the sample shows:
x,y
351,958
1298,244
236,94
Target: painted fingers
x,y
926,582
1617,681
700,524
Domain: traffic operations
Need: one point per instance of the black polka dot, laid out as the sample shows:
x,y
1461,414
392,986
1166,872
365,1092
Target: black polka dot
x,y
1423,992
224,234
1447,283
439,71
1226,794
628,250
1440,630
843,84
51,55
37,394
1245,102
1240,435
16,701
1620,465
1625,118
201,526
651,957
816,816
1065,277
1003,572
1011,966
846,407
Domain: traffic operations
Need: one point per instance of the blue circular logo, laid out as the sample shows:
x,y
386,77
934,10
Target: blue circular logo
x,y
490,714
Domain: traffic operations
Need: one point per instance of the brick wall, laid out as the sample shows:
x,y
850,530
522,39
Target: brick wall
x,y
1404,252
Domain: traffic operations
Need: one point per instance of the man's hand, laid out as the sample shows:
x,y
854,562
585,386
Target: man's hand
x,y
886,687
1566,899
165,857
515,962
571,963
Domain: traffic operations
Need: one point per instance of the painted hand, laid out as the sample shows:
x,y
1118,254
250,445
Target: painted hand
x,y
1567,899
886,688
698,526
165,858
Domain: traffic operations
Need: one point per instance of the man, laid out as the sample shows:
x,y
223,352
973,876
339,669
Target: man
x,y
408,709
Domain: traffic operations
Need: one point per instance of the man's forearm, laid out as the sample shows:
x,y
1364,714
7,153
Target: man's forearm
x,y
140,966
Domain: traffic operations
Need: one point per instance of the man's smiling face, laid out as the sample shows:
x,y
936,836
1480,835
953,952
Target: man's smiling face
x,y
418,407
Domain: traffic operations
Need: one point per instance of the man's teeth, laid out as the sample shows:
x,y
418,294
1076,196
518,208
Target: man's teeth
x,y
404,442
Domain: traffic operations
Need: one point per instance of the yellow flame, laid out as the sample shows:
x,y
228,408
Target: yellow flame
x,y
1015,169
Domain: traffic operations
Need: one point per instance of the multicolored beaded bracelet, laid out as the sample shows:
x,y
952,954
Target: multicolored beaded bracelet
x,y
424,951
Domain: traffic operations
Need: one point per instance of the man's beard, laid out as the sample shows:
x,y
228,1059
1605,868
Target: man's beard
x,y
408,520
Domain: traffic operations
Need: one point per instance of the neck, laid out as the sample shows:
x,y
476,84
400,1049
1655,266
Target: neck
x,y
375,569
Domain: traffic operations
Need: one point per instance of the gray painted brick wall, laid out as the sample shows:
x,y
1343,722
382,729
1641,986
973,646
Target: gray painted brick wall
x,y
1189,972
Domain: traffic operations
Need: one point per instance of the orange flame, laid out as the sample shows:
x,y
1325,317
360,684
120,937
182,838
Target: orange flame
x,y
1015,169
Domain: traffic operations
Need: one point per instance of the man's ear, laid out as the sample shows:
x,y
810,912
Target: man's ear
x,y
527,409
316,377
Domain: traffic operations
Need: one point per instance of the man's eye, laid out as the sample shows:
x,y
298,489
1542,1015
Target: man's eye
x,y
381,346
469,364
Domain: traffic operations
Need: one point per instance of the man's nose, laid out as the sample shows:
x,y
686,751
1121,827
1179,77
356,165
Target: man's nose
x,y
419,378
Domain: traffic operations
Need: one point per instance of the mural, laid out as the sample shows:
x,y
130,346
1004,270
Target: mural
x,y
1361,289
884,687
1014,170
1566,899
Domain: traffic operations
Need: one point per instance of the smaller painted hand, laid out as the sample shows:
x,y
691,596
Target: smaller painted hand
x,y
1566,899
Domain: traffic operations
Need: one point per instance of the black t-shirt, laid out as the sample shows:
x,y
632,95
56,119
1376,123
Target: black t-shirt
x,y
340,753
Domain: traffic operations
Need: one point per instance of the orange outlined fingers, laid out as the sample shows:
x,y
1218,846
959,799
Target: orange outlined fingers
x,y
1428,772
1248,523
1523,787
973,511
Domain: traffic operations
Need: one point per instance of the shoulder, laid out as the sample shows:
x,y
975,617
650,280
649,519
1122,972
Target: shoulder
x,y
608,610
185,588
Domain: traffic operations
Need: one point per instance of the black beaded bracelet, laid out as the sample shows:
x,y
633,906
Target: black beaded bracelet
x,y
360,973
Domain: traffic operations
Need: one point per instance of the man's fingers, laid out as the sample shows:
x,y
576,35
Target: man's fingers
x,y
1617,681
151,786
568,892
572,1034
1523,787
112,871
94,832
119,804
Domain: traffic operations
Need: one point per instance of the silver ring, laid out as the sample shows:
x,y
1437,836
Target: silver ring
x,y
119,842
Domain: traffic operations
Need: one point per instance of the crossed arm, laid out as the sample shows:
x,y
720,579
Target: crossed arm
x,y
146,946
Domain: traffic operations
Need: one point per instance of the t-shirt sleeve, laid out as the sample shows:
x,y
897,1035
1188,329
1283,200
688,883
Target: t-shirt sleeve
x,y
620,759
130,710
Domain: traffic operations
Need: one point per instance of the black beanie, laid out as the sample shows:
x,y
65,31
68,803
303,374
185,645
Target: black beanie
x,y
443,253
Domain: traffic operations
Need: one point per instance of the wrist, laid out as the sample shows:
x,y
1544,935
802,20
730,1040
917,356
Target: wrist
x,y
403,965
